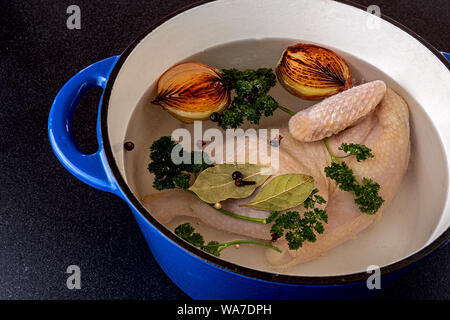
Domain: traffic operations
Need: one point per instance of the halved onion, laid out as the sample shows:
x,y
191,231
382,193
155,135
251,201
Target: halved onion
x,y
192,91
312,72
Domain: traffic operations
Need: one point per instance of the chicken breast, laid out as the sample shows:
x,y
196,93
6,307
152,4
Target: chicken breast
x,y
384,129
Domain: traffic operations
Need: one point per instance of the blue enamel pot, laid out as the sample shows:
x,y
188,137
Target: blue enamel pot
x,y
364,39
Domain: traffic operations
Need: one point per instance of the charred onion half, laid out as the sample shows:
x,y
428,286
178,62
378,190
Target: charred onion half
x,y
192,91
312,72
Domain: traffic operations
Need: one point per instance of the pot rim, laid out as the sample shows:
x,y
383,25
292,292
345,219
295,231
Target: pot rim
x,y
215,261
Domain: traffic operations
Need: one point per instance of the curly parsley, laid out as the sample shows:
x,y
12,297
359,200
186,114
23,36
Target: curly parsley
x,y
252,100
297,229
169,175
366,192
359,150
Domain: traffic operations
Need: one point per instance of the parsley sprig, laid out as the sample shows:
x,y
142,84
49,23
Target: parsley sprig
x,y
366,191
187,233
251,100
297,229
169,175
359,150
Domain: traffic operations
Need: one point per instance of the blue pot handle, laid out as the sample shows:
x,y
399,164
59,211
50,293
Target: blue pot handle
x,y
446,55
89,168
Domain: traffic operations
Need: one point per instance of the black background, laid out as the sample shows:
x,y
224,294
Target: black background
x,y
50,220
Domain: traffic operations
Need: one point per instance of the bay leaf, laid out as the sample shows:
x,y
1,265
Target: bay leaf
x,y
283,192
215,184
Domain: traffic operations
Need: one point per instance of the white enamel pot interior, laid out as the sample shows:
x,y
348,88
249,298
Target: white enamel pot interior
x,y
419,216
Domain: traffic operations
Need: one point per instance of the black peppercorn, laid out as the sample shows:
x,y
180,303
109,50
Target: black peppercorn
x,y
237,175
215,117
128,145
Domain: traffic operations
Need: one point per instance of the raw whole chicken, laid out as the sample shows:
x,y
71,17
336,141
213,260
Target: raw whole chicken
x,y
368,114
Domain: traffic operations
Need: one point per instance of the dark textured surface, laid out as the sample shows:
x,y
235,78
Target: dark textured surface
x,y
50,220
